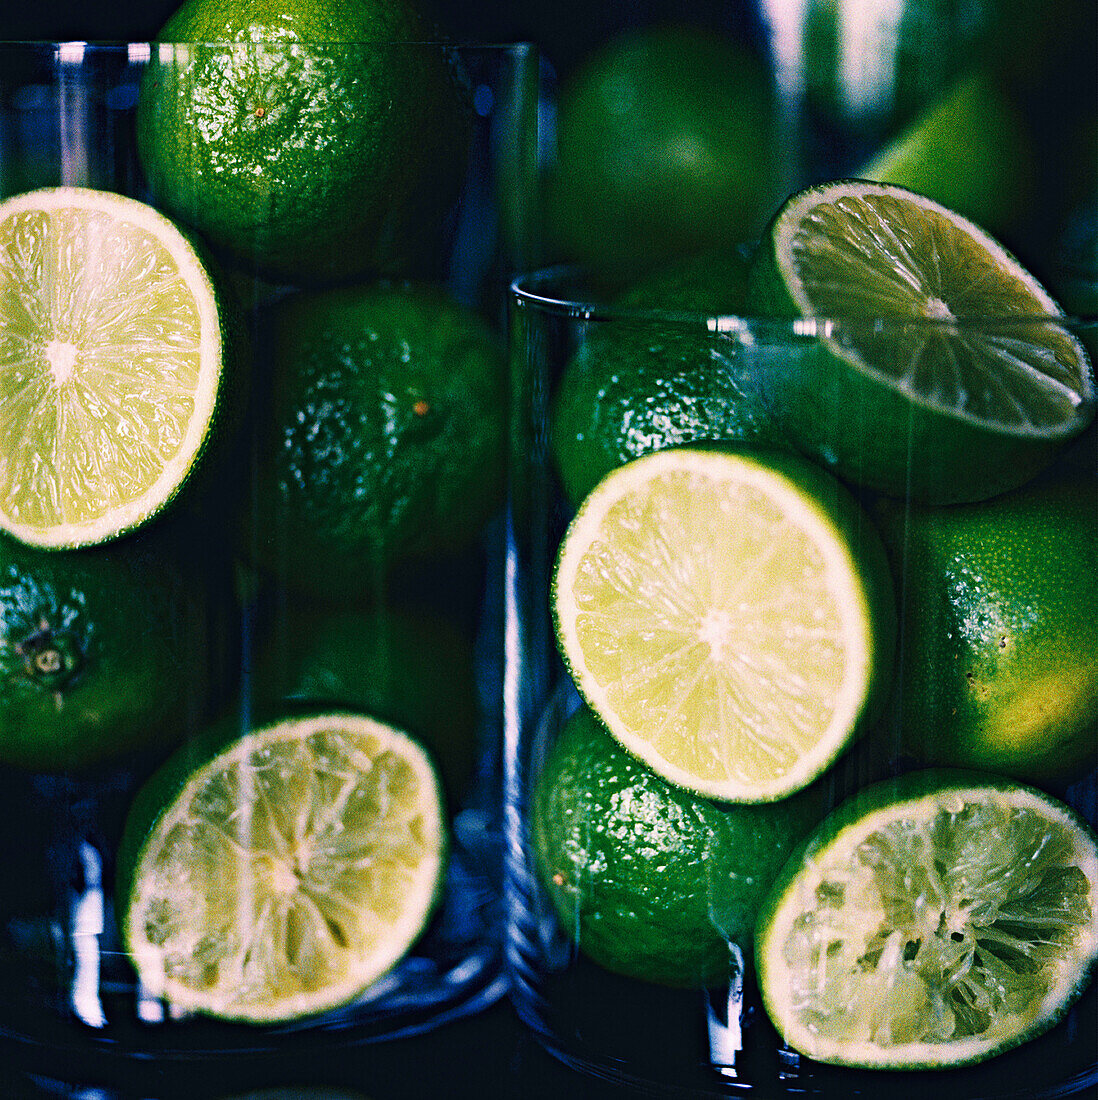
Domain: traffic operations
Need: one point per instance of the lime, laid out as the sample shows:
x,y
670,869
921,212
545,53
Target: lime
x,y
640,384
665,146
652,881
930,922
728,615
970,150
102,651
279,875
386,433
312,142
110,365
999,667
413,670
957,396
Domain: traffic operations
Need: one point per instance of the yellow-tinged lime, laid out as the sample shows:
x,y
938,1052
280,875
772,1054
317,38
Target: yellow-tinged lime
x,y
282,875
930,922
111,353
949,376
728,615
999,666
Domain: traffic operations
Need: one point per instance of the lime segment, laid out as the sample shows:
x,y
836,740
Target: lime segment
x,y
970,386
718,614
110,364
289,872
931,923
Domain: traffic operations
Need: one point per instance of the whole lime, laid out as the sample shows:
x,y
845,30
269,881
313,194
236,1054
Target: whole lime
x,y
999,654
384,437
665,146
652,881
642,383
410,669
102,651
310,141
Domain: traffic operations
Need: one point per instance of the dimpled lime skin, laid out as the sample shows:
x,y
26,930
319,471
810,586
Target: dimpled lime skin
x,y
639,385
999,666
385,436
309,141
102,651
652,881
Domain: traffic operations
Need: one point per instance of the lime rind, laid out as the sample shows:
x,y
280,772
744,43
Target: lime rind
x,y
286,874
1009,333
940,991
106,419
760,732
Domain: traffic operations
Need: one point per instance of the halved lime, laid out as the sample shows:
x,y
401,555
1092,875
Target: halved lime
x,y
728,615
931,921
110,364
949,375
284,875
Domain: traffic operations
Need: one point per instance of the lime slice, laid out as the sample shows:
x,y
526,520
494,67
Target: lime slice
x,y
110,364
287,873
969,391
930,922
728,615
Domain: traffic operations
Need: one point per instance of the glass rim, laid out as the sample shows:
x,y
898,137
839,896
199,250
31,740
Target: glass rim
x,y
541,289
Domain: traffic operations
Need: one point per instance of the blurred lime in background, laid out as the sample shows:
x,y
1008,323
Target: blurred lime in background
x,y
665,147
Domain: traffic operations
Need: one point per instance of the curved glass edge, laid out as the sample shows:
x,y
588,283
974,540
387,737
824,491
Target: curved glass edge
x,y
568,290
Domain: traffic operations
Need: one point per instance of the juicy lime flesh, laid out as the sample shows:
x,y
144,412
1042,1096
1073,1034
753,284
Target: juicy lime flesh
x,y
870,254
289,877
943,933
100,365
718,630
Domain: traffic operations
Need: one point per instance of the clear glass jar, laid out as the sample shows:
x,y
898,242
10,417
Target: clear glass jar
x,y
408,179
615,872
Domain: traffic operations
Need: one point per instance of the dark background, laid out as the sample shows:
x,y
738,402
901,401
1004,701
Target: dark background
x,y
564,29
490,1057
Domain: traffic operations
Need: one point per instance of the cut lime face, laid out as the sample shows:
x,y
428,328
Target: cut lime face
x,y
289,872
717,613
929,924
970,397
110,364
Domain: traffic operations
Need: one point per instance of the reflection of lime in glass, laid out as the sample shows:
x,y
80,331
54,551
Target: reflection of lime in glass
x,y
385,434
283,874
110,365
413,670
665,147
650,880
963,402
101,651
728,615
311,141
929,922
